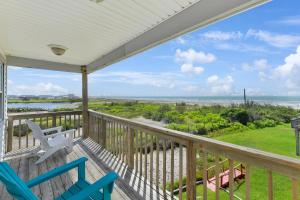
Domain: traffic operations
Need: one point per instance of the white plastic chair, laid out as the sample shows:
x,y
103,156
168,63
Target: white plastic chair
x,y
52,142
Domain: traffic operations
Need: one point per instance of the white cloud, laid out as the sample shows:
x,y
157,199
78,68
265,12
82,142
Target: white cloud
x,y
192,56
212,79
73,77
222,36
14,68
198,70
220,86
181,40
160,80
257,65
292,61
289,72
36,89
273,39
292,20
241,47
261,64
191,88
189,68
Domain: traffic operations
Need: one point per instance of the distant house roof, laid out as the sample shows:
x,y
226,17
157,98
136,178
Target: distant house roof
x,y
98,33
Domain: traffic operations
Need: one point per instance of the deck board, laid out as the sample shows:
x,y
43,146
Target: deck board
x,y
129,186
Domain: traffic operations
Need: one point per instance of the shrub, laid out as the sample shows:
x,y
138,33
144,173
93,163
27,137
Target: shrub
x,y
265,123
22,129
173,117
237,114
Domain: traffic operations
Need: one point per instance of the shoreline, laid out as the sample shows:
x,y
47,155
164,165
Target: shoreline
x,y
292,104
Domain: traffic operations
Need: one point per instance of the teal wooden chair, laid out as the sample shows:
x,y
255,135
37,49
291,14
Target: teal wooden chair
x,y
82,189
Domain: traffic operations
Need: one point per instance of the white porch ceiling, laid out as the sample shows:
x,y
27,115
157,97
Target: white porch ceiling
x,y
99,34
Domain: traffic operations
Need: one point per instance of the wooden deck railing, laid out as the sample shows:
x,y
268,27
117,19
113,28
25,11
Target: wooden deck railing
x,y
165,156
19,135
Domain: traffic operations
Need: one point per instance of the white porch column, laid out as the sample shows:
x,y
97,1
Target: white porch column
x,y
3,103
85,102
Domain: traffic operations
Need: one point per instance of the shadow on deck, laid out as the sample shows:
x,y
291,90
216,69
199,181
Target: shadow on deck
x,y
129,186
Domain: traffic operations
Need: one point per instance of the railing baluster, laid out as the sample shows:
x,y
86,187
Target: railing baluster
x,y
27,133
79,126
180,171
112,136
151,159
19,134
145,156
118,141
164,167
136,140
34,120
172,169
295,191
116,138
121,141
247,180
100,134
10,130
157,162
112,128
270,185
191,170
217,176
131,147
141,153
65,122
74,125
205,175
125,136
231,179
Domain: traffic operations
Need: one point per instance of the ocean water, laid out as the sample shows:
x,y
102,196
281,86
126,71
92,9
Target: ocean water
x,y
291,101
203,100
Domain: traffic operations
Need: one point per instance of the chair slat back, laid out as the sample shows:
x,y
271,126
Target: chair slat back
x,y
38,134
14,185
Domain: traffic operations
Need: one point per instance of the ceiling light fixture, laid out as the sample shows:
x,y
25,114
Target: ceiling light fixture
x,y
97,1
57,49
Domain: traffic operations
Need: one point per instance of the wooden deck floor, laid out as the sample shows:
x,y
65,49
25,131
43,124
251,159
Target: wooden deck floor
x,y
128,186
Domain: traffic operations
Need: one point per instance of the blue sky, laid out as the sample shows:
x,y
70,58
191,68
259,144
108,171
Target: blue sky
x,y
258,50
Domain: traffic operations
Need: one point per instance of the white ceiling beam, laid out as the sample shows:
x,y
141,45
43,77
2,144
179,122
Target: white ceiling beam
x,y
198,15
41,64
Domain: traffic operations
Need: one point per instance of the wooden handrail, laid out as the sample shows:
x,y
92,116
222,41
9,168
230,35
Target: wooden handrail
x,y
118,128
70,119
279,163
15,116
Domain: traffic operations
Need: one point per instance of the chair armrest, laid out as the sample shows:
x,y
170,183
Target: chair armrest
x,y
80,163
58,129
105,182
60,133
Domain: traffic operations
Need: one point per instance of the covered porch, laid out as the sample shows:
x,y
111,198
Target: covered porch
x,y
152,162
100,162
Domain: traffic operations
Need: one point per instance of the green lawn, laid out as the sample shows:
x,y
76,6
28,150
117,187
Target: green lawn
x,y
280,140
